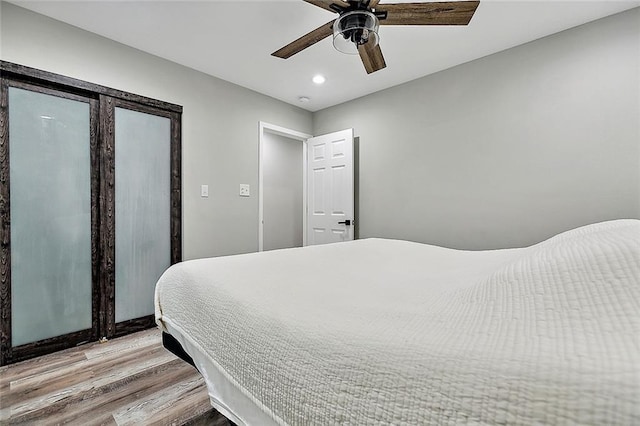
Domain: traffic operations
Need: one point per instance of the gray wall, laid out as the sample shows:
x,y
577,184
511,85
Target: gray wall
x,y
282,189
499,152
220,121
506,150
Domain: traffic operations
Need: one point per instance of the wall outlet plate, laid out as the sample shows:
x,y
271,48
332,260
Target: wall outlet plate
x,y
245,190
204,191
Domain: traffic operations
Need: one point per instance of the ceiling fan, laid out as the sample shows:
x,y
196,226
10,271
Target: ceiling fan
x,y
356,28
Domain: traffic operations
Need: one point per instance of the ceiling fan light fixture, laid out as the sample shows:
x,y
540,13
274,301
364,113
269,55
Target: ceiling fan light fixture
x,y
355,28
319,79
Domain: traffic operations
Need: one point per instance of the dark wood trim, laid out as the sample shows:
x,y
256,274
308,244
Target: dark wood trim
x,y
94,143
54,344
134,325
176,188
6,352
48,90
147,109
22,72
107,218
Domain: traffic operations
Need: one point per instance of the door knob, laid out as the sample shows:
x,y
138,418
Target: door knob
x,y
346,222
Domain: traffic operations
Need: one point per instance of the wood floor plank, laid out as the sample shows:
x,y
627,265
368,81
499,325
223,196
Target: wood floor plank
x,y
130,380
195,402
51,394
6,378
100,402
25,373
95,365
185,394
14,372
81,377
144,339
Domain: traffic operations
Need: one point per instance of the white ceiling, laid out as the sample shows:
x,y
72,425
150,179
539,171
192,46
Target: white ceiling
x,y
233,40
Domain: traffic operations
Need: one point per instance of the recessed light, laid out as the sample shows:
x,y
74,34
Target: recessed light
x,y
304,99
319,79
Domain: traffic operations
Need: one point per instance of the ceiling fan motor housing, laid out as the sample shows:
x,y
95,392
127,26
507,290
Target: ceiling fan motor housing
x,y
355,28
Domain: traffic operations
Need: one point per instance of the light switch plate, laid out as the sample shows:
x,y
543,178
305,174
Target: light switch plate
x,y
245,190
204,191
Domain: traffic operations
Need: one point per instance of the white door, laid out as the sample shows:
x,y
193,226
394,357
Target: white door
x,y
330,186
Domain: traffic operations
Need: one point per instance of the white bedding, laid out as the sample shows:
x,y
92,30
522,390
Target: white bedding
x,y
392,332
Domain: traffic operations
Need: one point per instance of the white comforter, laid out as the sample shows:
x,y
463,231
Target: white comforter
x,y
392,332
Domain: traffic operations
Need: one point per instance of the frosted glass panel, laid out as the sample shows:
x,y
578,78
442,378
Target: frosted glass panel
x,y
50,216
143,245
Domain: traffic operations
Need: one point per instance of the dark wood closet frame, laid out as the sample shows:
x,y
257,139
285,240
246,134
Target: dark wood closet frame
x,y
18,353
102,101
108,104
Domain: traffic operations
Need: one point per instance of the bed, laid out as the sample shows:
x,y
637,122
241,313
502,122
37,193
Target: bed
x,y
379,331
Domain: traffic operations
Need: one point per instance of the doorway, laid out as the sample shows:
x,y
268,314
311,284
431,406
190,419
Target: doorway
x,y
282,188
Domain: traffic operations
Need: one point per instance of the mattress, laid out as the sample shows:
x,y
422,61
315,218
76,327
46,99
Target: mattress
x,y
381,331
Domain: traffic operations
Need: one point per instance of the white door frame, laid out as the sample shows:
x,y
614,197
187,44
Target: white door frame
x,y
291,134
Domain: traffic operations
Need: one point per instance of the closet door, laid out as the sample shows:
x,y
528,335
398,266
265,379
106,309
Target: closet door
x,y
90,210
48,188
142,159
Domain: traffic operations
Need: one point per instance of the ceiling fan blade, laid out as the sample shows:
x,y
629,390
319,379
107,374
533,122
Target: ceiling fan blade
x,y
434,13
372,58
373,3
326,4
305,41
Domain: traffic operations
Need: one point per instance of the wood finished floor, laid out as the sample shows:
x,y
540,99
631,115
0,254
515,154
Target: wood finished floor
x,y
132,380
